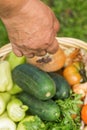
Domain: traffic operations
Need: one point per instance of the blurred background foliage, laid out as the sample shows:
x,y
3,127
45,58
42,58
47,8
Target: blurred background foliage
x,y
72,15
3,34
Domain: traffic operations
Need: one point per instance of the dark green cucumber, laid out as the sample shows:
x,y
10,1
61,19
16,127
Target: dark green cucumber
x,y
34,81
47,110
62,86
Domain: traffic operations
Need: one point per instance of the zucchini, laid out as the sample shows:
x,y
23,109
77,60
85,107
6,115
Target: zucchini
x,y
47,110
34,81
62,86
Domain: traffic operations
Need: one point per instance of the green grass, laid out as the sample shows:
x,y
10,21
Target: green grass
x,y
3,35
72,15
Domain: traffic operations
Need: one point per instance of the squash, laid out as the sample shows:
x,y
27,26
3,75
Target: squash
x,y
46,110
34,81
62,86
49,62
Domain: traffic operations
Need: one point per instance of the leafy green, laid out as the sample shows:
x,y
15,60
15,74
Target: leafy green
x,y
68,107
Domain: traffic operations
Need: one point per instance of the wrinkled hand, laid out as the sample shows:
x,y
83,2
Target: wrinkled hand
x,y
32,30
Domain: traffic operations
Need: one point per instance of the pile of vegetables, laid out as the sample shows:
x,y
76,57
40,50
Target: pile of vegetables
x,y
33,99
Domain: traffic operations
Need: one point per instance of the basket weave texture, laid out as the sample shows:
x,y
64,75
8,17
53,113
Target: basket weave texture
x,y
64,42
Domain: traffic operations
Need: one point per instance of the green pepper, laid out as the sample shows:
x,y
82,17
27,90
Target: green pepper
x,y
15,60
15,89
7,124
6,82
16,110
4,99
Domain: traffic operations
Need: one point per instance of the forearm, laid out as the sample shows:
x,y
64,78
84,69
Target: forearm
x,y
31,26
11,7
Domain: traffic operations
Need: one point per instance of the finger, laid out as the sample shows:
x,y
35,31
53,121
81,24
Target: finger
x,y
16,50
53,47
41,53
35,53
31,55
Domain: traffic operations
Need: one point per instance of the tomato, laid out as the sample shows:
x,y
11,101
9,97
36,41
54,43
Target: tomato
x,y
72,74
84,113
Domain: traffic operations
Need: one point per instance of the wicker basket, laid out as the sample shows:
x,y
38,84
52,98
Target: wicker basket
x,y
64,42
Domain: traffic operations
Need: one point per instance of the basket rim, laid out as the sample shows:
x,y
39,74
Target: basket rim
x,y
63,42
72,42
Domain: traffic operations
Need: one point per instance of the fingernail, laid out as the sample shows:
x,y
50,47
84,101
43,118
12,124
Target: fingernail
x,y
42,53
30,56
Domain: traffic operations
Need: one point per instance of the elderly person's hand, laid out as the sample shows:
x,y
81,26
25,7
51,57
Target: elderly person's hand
x,y
32,29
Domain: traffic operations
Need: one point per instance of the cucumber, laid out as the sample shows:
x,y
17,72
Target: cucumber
x,y
34,81
47,110
62,86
